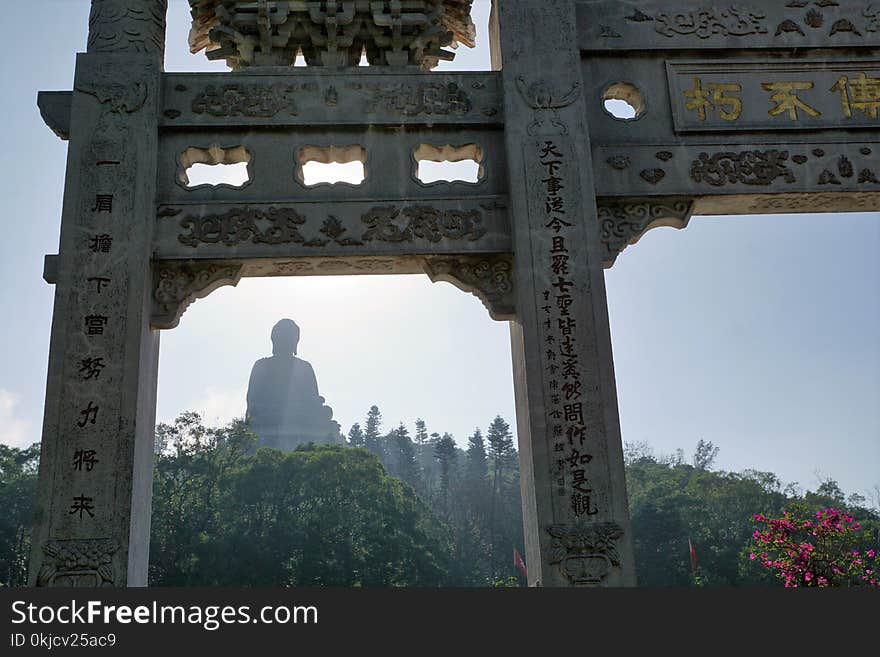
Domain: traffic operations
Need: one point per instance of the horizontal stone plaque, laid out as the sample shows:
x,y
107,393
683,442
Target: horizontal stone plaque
x,y
776,95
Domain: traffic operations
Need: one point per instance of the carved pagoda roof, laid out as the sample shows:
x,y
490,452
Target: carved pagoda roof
x,y
330,32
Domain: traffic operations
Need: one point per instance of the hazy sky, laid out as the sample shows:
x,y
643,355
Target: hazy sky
x,y
761,334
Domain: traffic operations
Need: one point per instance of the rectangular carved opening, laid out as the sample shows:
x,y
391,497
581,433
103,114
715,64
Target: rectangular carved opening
x,y
330,165
215,166
447,163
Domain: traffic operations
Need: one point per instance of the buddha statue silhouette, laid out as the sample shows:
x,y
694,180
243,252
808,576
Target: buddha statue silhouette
x,y
284,408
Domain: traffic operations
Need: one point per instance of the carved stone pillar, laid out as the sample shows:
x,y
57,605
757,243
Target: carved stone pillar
x,y
93,509
577,526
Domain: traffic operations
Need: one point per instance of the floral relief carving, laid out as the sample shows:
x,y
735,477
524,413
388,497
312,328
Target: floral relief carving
x,y
585,554
622,223
489,278
78,563
178,285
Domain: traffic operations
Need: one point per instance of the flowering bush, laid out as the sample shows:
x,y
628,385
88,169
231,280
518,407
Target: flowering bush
x,y
825,550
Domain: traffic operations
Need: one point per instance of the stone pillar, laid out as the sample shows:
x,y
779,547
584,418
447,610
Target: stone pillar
x,y
574,494
93,511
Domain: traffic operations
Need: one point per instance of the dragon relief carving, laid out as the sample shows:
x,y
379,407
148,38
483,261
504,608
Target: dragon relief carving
x,y
269,226
86,563
394,224
585,554
250,100
489,278
416,99
178,285
745,167
828,17
274,225
622,223
127,26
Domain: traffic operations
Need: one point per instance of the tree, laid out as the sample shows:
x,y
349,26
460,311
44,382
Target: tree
x,y
477,469
407,467
421,432
827,549
704,455
355,435
18,494
445,453
318,516
371,434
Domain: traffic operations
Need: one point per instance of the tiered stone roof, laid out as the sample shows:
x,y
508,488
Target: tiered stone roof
x,y
395,33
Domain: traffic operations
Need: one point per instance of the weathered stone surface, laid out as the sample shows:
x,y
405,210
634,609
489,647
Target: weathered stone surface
x,y
96,461
284,408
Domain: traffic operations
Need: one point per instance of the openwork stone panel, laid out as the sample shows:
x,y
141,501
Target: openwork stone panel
x,y
333,33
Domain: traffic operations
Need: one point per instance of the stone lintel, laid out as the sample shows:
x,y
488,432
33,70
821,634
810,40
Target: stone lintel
x,y
817,202
768,166
55,110
315,96
362,229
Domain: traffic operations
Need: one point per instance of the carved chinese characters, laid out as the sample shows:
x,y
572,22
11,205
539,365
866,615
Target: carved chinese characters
x,y
566,392
817,95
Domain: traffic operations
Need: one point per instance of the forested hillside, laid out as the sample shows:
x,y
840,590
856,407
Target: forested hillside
x,y
400,509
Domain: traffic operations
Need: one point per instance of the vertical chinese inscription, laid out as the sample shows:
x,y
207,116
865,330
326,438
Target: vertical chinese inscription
x,y
566,422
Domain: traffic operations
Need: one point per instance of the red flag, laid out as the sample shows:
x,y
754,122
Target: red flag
x,y
519,563
693,556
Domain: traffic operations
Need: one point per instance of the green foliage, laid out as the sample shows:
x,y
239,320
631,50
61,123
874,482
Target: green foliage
x,y
427,514
18,495
318,516
671,502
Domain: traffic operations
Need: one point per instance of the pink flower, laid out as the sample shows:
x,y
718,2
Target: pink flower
x,y
808,576
871,553
752,556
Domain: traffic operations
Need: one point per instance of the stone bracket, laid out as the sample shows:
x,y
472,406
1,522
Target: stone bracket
x,y
489,278
622,222
55,109
176,285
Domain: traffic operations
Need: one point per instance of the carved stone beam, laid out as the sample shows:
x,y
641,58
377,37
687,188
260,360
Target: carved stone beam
x,y
487,277
177,284
622,222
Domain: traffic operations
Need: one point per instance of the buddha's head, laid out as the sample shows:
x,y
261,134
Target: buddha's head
x,y
285,337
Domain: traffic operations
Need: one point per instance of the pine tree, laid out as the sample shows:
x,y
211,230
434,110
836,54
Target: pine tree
x,y
421,432
407,466
501,450
371,435
355,435
444,452
477,463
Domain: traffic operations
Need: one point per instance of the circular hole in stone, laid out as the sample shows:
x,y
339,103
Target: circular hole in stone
x,y
623,101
